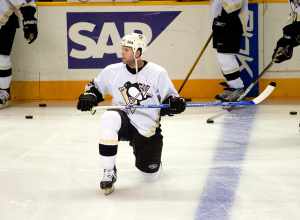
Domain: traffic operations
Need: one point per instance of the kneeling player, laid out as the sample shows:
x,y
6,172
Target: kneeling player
x,y
132,82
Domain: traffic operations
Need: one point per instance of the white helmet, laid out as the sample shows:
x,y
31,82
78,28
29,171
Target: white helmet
x,y
135,41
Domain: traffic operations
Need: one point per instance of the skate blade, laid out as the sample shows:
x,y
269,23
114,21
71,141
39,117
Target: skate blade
x,y
108,191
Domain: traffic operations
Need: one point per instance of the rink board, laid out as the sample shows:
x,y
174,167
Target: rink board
x,y
77,40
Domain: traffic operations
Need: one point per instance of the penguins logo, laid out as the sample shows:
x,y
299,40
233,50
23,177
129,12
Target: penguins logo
x,y
134,93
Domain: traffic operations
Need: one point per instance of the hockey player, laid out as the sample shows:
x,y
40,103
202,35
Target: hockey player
x,y
134,81
9,22
230,20
291,35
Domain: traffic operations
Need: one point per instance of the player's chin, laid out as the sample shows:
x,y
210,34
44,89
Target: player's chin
x,y
125,61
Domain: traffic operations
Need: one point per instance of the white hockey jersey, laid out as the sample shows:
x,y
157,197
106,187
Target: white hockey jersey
x,y
231,6
151,85
8,7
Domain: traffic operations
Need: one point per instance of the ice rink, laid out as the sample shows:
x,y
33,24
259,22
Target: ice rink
x,y
245,166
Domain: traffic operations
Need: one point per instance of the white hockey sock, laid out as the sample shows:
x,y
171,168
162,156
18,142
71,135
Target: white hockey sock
x,y
5,82
108,144
108,162
235,84
231,70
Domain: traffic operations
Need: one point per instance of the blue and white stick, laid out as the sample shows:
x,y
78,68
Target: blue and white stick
x,y
269,89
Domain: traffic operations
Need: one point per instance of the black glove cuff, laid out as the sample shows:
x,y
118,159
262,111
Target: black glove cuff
x,y
283,42
166,111
291,32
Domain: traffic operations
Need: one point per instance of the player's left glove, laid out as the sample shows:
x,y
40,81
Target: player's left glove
x,y
29,23
177,105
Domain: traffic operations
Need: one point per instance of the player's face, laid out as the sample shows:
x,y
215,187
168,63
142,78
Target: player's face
x,y
127,55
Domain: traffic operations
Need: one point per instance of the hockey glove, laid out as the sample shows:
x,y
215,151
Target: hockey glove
x,y
29,23
285,45
86,101
90,98
177,105
283,51
292,33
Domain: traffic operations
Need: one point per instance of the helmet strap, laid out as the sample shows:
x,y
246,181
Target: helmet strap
x,y
136,65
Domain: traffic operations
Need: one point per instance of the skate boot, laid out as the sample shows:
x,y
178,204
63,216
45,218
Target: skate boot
x,y
4,98
108,180
224,84
223,96
230,95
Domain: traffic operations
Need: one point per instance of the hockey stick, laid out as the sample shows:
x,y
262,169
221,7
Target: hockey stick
x,y
266,93
195,63
249,88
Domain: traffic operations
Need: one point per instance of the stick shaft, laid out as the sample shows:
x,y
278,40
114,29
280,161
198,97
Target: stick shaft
x,y
188,105
250,87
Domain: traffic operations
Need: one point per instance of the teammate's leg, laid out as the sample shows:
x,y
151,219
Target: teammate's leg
x,y
231,72
7,35
227,35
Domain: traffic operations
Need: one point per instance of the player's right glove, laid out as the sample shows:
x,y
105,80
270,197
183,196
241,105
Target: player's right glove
x,y
90,98
86,101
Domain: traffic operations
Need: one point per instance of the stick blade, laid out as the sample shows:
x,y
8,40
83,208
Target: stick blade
x,y
265,94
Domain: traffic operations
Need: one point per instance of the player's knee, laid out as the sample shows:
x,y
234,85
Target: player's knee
x,y
111,120
228,62
151,167
152,176
110,126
